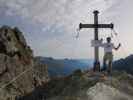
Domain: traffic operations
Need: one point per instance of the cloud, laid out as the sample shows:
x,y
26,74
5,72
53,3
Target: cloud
x,y
58,19
62,14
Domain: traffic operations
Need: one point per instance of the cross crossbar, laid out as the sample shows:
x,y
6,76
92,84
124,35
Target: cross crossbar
x,y
96,26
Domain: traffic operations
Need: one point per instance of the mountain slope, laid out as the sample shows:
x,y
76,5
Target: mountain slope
x,y
86,86
125,64
15,58
17,74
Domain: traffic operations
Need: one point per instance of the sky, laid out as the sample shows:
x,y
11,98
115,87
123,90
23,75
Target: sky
x,y
50,26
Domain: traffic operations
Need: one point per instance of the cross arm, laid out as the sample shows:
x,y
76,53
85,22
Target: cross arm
x,y
96,26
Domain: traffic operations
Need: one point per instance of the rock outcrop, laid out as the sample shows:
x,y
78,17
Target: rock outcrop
x,y
17,73
15,78
102,91
85,86
13,44
40,73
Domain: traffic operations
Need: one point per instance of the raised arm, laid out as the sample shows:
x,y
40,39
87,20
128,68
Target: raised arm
x,y
116,48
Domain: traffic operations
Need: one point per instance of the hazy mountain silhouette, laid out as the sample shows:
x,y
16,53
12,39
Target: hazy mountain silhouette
x,y
125,64
61,67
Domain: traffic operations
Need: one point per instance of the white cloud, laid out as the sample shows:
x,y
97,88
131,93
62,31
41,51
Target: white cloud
x,y
61,13
60,18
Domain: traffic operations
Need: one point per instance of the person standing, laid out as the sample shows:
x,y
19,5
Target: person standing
x,y
108,54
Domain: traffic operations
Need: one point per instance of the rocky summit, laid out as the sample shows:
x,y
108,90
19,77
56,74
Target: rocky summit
x,y
17,65
86,86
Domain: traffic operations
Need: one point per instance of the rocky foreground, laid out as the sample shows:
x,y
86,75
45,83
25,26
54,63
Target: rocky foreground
x,y
86,86
19,72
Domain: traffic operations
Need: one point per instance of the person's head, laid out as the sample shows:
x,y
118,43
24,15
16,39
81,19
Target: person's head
x,y
108,39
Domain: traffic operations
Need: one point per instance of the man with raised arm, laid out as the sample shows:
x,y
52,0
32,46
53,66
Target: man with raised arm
x,y
108,54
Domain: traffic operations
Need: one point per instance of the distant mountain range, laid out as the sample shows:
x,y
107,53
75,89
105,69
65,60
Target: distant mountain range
x,y
125,64
65,66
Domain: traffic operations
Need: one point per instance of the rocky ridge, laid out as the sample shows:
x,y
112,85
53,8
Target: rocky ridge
x,y
86,86
17,66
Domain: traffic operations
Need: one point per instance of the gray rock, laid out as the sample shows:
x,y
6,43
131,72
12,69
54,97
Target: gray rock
x,y
17,65
40,73
12,82
102,91
19,36
13,44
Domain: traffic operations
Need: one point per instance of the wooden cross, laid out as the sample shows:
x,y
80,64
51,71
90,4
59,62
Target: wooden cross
x,y
96,26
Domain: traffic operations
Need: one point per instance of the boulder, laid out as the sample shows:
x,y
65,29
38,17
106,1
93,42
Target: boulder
x,y
102,91
15,78
17,65
13,44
